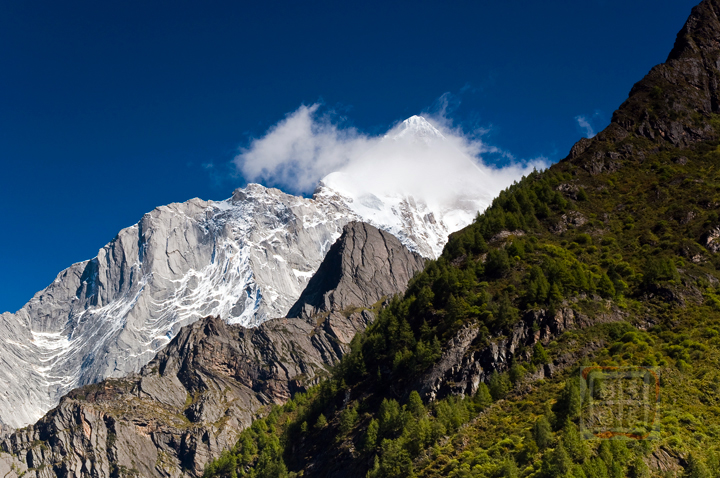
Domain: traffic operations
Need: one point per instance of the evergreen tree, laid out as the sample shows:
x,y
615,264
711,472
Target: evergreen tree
x,y
348,418
549,414
499,385
509,468
575,445
570,404
696,468
605,452
540,356
538,286
249,449
482,397
517,372
426,332
595,468
389,417
616,470
321,422
605,287
497,262
506,313
371,435
516,249
558,463
658,270
555,295
415,405
639,469
395,461
530,448
542,432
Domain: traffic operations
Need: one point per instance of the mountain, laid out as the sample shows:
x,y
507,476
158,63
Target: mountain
x,y
573,330
191,401
360,268
417,174
245,260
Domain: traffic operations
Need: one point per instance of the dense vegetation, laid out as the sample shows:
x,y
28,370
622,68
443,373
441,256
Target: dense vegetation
x,y
634,249
625,233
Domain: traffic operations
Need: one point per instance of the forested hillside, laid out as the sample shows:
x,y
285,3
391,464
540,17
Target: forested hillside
x,y
507,355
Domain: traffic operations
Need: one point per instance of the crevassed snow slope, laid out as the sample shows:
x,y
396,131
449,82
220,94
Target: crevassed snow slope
x,y
245,259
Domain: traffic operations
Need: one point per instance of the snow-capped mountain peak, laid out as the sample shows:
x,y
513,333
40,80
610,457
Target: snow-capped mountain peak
x,y
415,128
245,259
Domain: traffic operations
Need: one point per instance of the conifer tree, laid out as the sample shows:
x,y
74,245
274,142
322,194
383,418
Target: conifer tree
x,y
542,432
575,445
595,468
482,397
348,418
696,468
639,469
415,405
499,385
321,421
555,295
509,468
516,373
558,463
371,435
605,287
540,356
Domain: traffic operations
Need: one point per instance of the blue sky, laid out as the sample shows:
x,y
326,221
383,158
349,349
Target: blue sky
x,y
109,109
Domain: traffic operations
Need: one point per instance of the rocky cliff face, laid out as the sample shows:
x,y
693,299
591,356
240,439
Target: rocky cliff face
x,y
674,105
193,399
465,363
684,91
245,260
360,268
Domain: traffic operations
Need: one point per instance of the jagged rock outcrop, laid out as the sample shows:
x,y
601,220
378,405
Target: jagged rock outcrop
x,y
674,105
193,399
469,359
185,407
684,91
364,265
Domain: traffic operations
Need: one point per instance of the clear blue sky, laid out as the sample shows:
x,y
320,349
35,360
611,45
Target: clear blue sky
x,y
111,108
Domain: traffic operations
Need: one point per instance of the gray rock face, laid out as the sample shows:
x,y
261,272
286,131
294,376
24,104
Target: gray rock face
x,y
711,240
364,265
180,411
193,399
245,260
465,363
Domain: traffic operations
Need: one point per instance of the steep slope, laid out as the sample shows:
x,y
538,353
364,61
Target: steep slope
x,y
514,353
193,399
245,260
360,268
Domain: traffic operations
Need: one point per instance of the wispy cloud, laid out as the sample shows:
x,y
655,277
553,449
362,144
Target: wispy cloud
x,y
305,146
585,125
300,149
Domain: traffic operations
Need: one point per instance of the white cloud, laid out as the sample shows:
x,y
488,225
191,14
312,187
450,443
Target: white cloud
x,y
299,150
583,122
304,147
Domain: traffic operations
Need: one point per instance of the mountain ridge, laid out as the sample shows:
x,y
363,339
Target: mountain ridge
x,y
189,403
614,251
245,259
